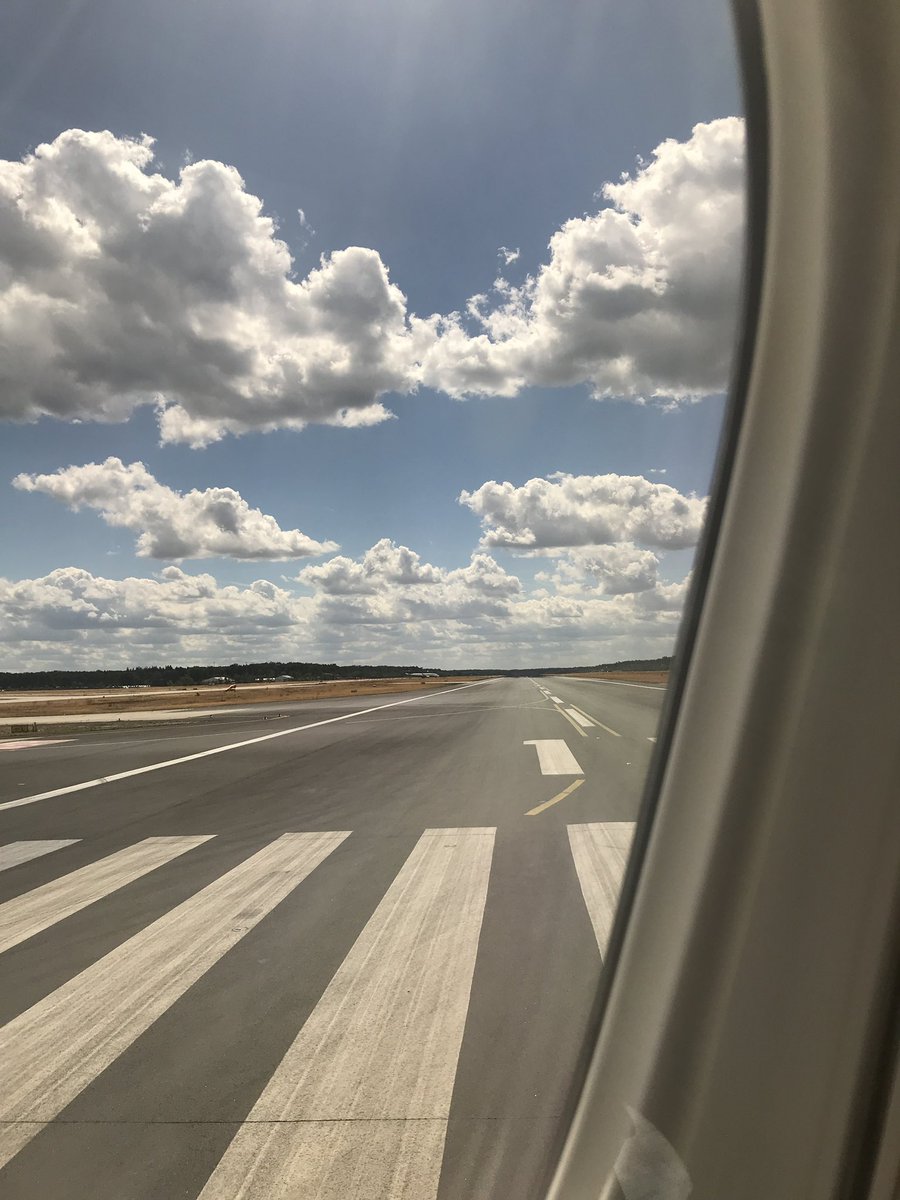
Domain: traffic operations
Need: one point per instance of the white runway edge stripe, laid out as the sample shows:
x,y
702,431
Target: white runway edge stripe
x,y
265,737
555,757
26,915
600,852
358,1107
93,1018
653,687
19,852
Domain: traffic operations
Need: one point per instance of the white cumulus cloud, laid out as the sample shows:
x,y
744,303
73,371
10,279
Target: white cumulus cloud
x,y
120,616
637,300
120,287
614,570
213,523
585,510
392,583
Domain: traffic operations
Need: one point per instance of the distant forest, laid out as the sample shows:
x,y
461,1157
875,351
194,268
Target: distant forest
x,y
174,676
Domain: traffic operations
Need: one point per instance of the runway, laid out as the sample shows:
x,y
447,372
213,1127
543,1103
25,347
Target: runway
x,y
348,952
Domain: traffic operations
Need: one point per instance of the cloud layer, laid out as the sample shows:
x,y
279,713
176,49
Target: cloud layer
x,y
120,287
213,523
585,510
612,570
603,593
394,608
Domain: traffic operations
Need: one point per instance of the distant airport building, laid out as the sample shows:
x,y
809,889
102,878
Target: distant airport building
x,y
217,679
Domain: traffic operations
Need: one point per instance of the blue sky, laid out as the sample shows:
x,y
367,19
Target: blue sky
x,y
434,134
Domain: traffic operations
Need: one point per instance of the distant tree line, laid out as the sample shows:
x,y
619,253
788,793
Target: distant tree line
x,y
629,664
178,676
182,676
639,664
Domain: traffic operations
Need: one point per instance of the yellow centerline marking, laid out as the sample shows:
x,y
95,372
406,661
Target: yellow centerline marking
x,y
539,808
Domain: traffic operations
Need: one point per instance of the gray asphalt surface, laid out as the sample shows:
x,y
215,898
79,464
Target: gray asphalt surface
x,y
156,1120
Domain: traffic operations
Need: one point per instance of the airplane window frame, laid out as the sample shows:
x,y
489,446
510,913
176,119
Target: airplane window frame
x,y
822,94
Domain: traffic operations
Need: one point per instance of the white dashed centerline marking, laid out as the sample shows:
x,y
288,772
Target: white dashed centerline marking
x,y
593,720
582,720
555,757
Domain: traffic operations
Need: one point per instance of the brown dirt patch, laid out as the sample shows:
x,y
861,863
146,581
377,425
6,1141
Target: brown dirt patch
x,y
35,705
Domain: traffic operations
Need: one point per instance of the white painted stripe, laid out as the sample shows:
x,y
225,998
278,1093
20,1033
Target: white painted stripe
x,y
358,1107
562,712
28,742
654,687
600,852
582,720
606,729
650,739
20,852
55,1049
28,914
555,757
556,699
594,721
265,737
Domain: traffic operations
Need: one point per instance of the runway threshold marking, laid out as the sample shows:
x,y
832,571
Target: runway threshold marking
x,y
56,1048
555,757
29,914
265,737
20,852
600,851
539,808
359,1105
